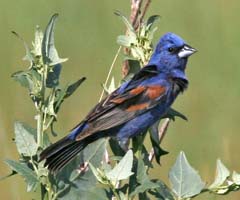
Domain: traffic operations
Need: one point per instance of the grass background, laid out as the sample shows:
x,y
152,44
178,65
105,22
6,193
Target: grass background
x,y
86,33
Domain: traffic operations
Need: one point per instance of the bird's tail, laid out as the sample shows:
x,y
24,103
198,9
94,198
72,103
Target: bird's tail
x,y
62,152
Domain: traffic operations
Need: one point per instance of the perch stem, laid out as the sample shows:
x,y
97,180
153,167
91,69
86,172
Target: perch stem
x,y
110,71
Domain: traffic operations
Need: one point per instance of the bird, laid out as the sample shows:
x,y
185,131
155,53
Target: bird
x,y
133,107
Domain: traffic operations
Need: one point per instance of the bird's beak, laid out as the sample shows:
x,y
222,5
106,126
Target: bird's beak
x,y
186,51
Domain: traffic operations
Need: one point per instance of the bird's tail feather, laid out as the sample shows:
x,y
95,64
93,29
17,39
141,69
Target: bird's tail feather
x,y
62,152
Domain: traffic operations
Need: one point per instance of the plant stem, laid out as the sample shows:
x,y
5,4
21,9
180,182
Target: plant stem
x,y
49,123
135,11
144,10
41,112
41,120
115,193
110,71
39,129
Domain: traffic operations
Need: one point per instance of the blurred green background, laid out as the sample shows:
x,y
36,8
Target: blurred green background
x,y
86,33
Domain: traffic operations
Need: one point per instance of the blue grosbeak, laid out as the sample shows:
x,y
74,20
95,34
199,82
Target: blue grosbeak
x,y
133,107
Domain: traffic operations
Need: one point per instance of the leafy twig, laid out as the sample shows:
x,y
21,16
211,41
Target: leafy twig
x,y
135,10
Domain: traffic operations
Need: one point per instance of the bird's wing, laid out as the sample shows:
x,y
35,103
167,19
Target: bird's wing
x,y
119,108
115,97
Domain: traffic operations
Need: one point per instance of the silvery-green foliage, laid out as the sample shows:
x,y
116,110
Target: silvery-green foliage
x,y
123,175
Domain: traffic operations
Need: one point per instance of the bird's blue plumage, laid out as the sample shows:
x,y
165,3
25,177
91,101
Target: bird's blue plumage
x,y
134,106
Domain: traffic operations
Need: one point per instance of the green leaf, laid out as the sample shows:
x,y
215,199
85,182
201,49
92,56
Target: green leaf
x,y
23,78
171,114
162,192
107,167
49,52
30,80
96,173
145,155
53,76
29,176
144,183
139,54
99,174
62,94
93,153
71,183
236,178
154,132
51,106
151,34
134,67
122,196
42,171
143,187
143,196
185,180
116,148
29,57
154,136
222,173
125,20
73,87
25,139
141,171
138,142
86,193
126,40
46,140
37,44
152,19
123,169
53,132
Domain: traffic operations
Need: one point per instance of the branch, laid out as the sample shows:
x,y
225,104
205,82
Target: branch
x,y
147,4
135,18
135,11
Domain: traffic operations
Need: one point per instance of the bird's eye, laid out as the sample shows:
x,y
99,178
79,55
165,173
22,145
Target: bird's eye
x,y
171,49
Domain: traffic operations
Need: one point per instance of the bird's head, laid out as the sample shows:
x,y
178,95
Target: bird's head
x,y
171,53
